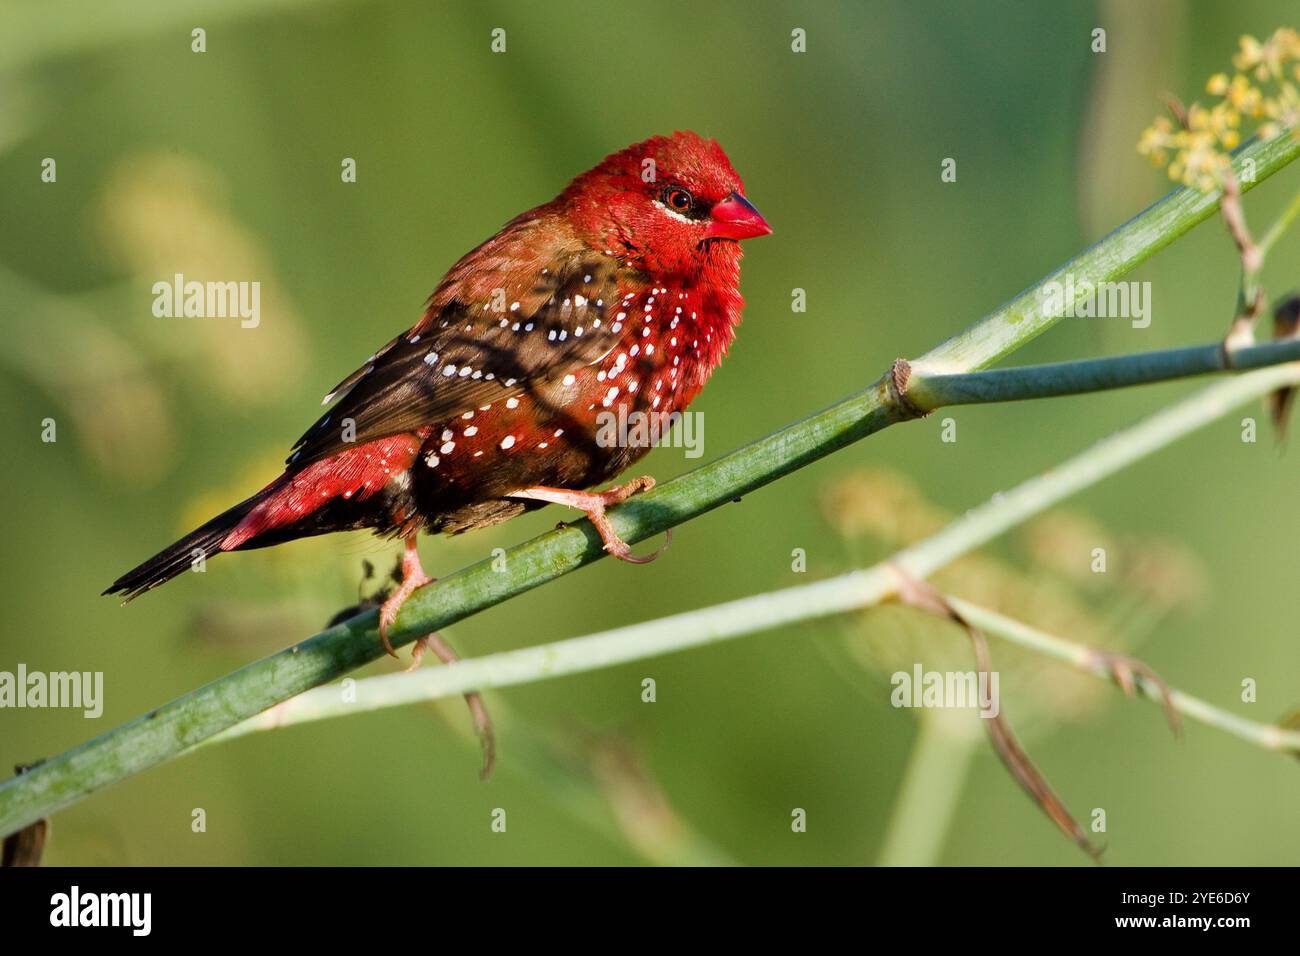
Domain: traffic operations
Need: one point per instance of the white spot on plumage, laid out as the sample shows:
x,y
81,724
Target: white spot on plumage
x,y
471,431
508,442
569,379
512,403
449,370
447,447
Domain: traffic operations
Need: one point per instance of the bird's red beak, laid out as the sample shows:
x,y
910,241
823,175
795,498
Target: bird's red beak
x,y
736,218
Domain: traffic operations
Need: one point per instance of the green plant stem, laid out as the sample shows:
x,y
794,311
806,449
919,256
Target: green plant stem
x,y
1090,375
1268,736
181,724
847,592
1028,315
930,789
1280,226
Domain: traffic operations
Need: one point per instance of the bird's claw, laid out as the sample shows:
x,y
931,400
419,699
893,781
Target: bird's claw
x,y
413,578
618,548
594,504
393,603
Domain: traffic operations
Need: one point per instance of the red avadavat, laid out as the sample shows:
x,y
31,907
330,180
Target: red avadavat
x,y
623,290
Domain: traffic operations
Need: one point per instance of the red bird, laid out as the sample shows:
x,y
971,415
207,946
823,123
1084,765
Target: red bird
x,y
623,291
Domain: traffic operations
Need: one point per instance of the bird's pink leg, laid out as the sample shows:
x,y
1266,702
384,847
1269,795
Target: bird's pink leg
x,y
413,577
594,504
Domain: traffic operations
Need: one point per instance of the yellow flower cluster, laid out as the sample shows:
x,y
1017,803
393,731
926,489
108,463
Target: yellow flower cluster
x,y
1261,92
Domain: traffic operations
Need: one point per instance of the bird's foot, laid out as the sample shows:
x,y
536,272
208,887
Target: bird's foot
x,y
594,504
413,577
477,709
1127,670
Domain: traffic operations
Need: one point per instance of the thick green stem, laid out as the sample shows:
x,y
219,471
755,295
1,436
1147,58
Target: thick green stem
x,y
1032,312
188,720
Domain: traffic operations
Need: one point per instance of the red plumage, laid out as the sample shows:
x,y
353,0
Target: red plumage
x,y
623,291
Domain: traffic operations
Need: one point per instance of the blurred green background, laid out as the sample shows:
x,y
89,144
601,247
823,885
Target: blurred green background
x,y
225,165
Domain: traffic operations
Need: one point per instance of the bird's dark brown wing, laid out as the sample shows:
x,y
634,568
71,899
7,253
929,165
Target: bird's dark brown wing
x,y
468,354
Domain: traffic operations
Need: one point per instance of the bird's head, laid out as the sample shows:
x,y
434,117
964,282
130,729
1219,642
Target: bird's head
x,y
671,205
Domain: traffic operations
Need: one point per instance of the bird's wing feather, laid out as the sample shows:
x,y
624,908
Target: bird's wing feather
x,y
562,321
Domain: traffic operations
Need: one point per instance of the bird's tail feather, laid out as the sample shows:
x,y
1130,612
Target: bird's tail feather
x,y
199,545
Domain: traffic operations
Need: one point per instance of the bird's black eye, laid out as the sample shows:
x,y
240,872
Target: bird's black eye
x,y
677,199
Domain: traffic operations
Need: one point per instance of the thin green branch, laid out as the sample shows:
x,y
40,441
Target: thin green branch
x,y
198,715
1268,736
1090,375
848,592
1276,231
